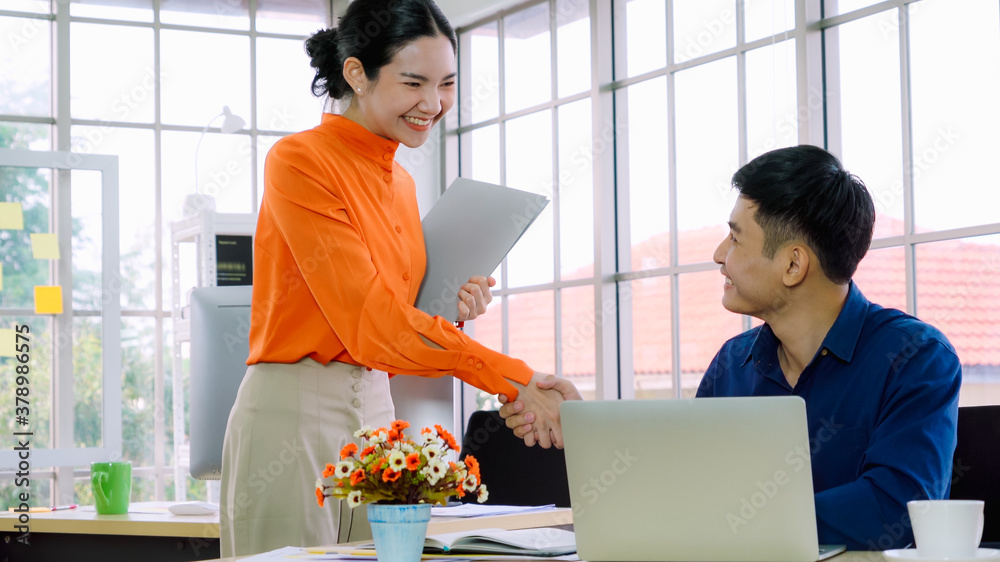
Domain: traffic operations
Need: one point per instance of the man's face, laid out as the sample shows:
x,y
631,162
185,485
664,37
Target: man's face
x,y
753,283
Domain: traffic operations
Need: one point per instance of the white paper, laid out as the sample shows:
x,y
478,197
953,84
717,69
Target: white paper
x,y
478,510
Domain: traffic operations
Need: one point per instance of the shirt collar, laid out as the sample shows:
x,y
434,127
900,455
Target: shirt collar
x,y
841,340
363,141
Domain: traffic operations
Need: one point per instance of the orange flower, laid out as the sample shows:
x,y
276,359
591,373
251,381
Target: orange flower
x,y
390,475
367,451
329,471
473,465
348,450
413,461
319,496
459,491
377,465
400,425
448,439
425,430
393,435
358,476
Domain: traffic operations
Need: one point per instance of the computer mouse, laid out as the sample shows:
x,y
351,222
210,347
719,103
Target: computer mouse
x,y
194,508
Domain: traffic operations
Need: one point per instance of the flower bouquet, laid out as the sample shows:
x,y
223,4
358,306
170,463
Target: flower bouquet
x,y
393,468
400,477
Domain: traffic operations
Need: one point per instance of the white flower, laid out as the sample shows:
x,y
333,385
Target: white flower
x,y
435,470
343,469
483,494
406,448
397,461
376,439
319,482
470,483
363,432
354,499
432,453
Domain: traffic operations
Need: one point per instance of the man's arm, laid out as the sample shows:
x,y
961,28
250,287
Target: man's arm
x,y
909,455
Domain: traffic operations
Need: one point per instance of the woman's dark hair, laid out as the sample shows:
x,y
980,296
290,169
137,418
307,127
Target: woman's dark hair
x,y
804,193
372,31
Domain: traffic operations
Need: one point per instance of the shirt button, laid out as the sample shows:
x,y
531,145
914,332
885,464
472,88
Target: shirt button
x,y
356,403
357,387
823,352
472,361
368,368
479,365
406,277
387,177
399,228
387,157
356,373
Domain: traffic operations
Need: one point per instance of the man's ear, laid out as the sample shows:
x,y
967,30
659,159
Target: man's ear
x,y
354,73
796,259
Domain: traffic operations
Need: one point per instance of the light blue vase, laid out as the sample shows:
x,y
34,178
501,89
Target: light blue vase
x,y
399,530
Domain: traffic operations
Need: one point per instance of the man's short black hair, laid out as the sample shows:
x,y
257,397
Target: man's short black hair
x,y
803,192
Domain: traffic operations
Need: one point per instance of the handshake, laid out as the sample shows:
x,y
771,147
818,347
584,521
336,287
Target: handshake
x,y
534,416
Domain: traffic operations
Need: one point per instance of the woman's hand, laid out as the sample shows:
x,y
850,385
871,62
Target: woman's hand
x,y
520,419
474,297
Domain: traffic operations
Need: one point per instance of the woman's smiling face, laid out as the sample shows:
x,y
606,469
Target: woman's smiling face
x,y
413,92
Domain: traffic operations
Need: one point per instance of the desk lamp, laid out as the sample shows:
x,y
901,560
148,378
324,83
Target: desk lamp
x,y
196,201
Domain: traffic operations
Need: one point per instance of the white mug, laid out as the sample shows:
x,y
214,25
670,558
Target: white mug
x,y
946,528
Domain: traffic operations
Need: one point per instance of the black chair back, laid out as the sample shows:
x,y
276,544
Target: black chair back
x,y
514,473
976,468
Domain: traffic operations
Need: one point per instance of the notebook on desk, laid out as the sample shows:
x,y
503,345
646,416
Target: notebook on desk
x,y
704,479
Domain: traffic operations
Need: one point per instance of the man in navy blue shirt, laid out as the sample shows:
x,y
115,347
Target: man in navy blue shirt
x,y
881,387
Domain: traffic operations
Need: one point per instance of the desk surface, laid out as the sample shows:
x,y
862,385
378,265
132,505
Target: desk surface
x,y
149,519
153,519
856,556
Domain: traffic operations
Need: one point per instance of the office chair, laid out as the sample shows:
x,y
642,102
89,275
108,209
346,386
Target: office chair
x,y
514,473
976,470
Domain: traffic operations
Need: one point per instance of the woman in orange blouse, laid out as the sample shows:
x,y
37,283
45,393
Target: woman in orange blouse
x,y
339,257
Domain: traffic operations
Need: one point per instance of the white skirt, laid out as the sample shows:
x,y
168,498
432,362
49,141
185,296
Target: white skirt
x,y
288,422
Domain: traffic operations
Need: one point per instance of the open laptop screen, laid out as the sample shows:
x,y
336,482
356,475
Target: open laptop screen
x,y
702,479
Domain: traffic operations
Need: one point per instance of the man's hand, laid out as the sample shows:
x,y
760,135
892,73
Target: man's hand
x,y
474,297
530,423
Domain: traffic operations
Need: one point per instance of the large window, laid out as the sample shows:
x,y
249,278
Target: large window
x,y
141,80
633,115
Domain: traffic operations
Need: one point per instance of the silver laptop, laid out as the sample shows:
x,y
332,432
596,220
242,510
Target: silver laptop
x,y
703,479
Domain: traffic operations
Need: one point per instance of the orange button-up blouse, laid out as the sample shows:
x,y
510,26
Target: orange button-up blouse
x,y
339,256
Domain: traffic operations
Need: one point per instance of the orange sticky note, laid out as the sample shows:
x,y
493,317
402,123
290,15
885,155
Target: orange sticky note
x,y
45,246
11,217
48,299
7,343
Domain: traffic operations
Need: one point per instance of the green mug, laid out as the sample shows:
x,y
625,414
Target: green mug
x,y
112,483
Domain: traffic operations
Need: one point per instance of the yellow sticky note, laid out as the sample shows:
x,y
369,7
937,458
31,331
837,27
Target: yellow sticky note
x,y
11,217
7,343
48,299
45,246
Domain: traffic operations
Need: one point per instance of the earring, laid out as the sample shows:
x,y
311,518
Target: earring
x,y
359,90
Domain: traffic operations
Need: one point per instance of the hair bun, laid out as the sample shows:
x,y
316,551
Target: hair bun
x,y
321,46
324,56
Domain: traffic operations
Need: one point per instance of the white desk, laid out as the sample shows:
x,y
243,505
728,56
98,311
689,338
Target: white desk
x,y
148,532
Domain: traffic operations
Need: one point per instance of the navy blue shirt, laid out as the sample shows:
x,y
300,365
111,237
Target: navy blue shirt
x,y
882,405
